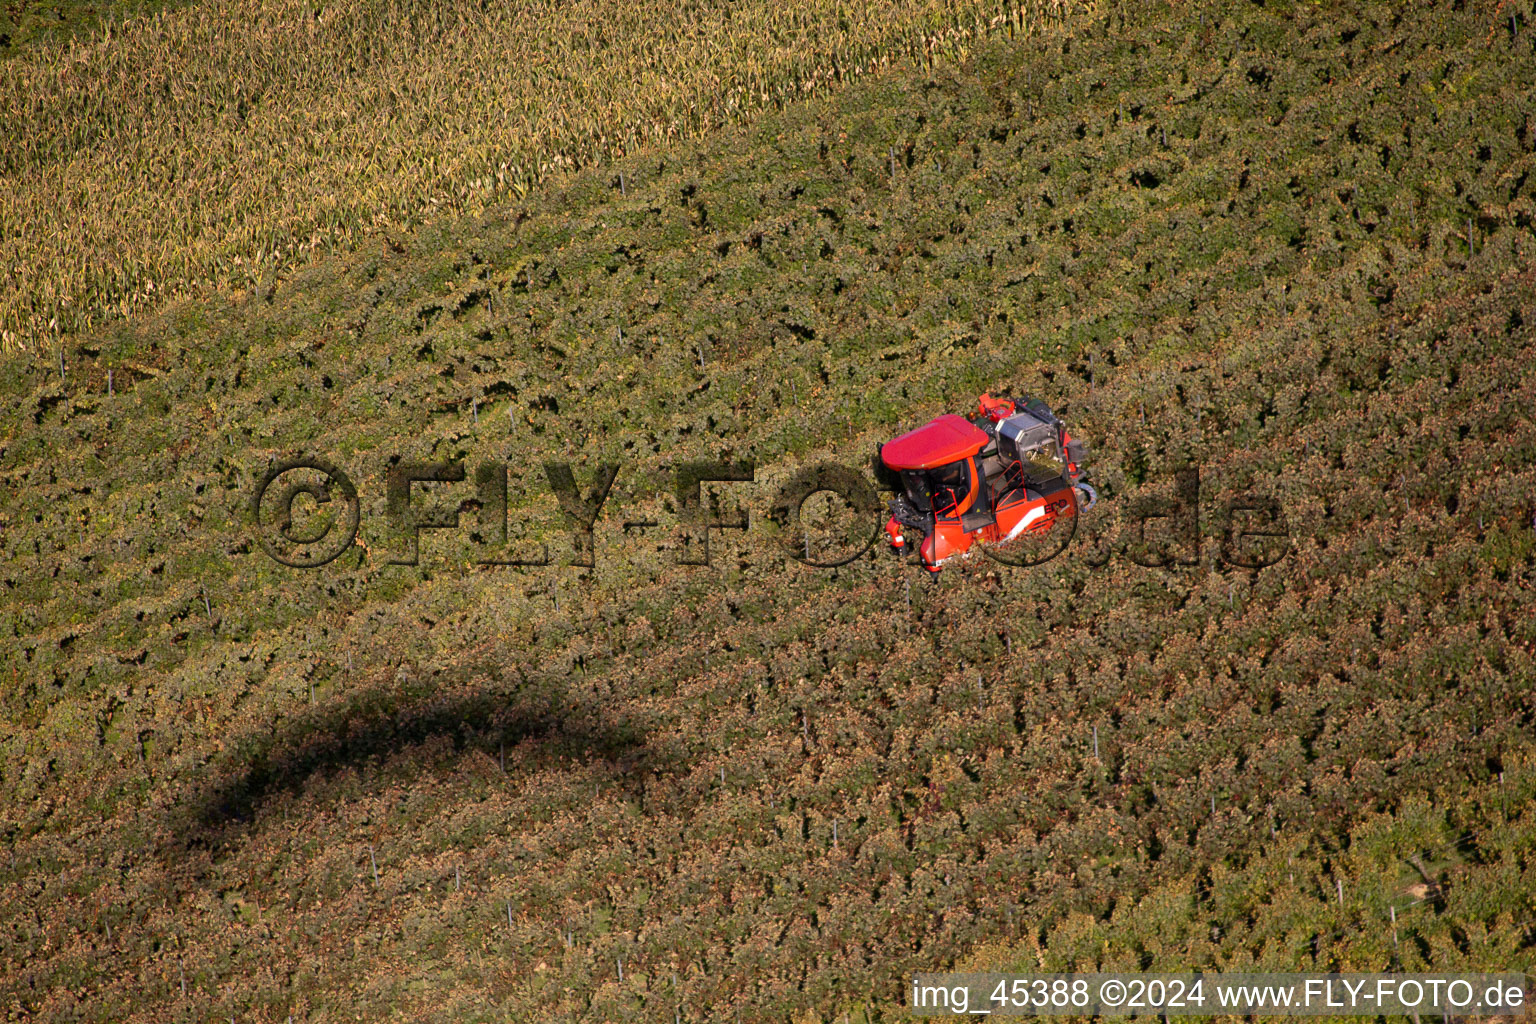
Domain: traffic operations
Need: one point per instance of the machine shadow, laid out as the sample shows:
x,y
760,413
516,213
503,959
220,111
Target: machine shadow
x,y
382,724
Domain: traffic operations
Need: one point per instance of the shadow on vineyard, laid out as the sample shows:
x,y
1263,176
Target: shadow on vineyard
x,y
1289,245
384,732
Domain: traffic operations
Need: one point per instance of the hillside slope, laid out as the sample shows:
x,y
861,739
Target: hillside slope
x,y
1290,246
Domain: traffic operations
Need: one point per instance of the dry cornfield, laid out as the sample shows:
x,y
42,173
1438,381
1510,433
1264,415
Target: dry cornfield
x,y
207,147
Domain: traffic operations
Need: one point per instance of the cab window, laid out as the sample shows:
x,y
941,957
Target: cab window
x,y
916,483
949,485
938,490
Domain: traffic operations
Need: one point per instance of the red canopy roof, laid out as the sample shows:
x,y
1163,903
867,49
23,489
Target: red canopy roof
x,y
946,439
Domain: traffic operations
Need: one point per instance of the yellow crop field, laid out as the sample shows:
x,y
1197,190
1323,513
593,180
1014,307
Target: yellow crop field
x,y
205,147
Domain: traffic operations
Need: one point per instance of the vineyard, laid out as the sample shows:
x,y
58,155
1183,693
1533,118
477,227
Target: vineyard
x,y
1285,247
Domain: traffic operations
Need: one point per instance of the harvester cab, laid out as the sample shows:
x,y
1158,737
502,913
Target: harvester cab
x,y
1010,470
